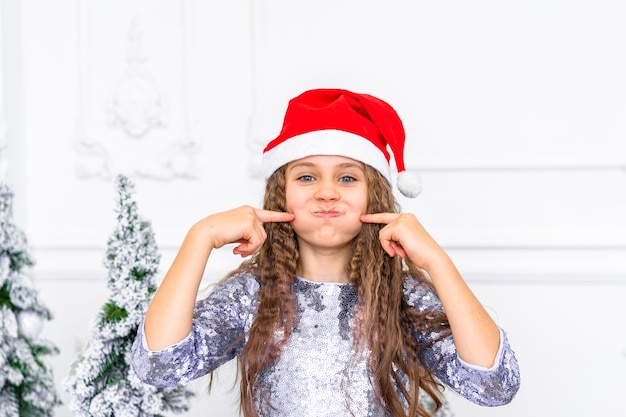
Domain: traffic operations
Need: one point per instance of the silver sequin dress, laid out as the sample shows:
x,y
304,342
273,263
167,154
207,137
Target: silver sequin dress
x,y
318,372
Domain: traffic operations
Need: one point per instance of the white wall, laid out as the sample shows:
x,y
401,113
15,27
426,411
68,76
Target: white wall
x,y
515,115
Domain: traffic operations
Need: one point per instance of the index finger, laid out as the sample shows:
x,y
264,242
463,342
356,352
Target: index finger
x,y
273,216
379,218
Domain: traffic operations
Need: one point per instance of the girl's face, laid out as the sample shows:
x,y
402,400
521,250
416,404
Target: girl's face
x,y
327,194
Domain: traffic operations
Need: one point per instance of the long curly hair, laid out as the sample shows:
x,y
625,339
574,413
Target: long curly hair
x,y
385,323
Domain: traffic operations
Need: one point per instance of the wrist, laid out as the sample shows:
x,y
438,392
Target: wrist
x,y
201,234
436,261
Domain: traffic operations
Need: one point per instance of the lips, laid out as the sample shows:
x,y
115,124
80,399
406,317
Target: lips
x,y
327,214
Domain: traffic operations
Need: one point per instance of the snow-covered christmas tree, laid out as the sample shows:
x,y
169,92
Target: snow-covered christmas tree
x,y
102,382
429,405
26,382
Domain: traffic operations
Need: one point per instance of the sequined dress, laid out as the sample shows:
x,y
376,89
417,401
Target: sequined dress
x,y
318,372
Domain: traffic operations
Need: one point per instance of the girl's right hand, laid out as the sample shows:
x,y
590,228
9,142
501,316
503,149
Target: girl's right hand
x,y
243,225
170,315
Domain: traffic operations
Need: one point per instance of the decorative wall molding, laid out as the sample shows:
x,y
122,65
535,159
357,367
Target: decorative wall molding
x,y
3,138
479,264
256,124
616,163
127,125
4,160
137,104
562,154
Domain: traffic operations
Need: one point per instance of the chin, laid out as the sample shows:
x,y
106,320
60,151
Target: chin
x,y
328,241
327,235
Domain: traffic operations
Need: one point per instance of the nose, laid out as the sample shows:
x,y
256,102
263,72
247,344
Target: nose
x,y
327,191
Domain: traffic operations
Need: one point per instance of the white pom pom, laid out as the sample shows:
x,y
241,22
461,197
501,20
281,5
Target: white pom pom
x,y
409,184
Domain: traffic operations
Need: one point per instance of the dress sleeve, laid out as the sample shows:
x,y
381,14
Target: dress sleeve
x,y
483,386
220,323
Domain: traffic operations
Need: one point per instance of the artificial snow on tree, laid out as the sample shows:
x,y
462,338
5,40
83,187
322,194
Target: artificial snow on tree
x,y
102,382
429,405
26,382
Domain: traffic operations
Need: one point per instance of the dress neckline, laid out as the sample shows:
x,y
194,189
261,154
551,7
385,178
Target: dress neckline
x,y
322,282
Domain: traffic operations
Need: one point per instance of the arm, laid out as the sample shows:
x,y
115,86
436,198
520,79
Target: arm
x,y
170,314
492,386
220,322
476,336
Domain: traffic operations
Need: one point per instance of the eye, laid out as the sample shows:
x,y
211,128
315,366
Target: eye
x,y
347,178
306,178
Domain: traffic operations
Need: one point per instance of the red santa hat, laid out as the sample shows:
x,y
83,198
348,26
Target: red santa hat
x,y
340,122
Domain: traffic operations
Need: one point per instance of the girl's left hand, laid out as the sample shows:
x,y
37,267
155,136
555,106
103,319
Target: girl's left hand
x,y
476,336
403,235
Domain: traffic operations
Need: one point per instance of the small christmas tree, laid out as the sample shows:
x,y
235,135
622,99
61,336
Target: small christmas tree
x,y
102,382
26,383
429,405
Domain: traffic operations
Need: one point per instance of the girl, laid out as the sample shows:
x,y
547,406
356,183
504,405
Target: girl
x,y
347,307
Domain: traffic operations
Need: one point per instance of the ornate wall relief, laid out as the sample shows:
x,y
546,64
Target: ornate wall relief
x,y
3,140
137,105
135,110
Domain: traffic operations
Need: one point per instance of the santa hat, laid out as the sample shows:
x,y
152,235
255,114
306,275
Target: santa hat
x,y
340,122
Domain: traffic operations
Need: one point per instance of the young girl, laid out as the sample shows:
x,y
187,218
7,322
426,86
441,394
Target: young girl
x,y
346,307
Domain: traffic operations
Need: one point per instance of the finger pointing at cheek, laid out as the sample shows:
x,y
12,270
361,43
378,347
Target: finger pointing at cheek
x,y
252,240
379,218
269,216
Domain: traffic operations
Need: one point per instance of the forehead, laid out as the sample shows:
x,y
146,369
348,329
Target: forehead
x,y
326,161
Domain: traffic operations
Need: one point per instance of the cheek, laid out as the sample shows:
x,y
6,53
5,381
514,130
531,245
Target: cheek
x,y
291,205
289,199
360,203
294,201
364,205
354,222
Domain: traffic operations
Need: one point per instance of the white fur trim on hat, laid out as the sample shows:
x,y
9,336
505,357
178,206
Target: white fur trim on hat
x,y
325,142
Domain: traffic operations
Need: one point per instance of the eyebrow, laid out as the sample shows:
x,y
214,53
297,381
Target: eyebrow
x,y
340,165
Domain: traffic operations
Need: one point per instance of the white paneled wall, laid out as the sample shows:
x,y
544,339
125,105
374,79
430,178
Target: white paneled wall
x,y
515,115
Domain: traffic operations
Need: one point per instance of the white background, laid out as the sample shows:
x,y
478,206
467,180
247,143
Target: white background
x,y
515,115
